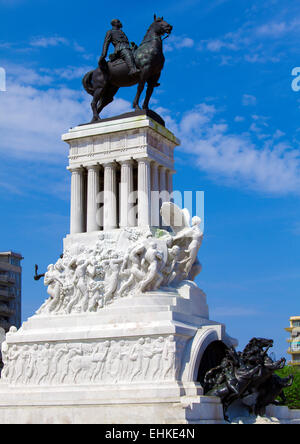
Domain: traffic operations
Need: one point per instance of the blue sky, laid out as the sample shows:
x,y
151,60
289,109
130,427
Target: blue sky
x,y
225,92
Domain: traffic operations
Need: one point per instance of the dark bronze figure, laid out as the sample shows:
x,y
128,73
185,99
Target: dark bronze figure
x,y
128,66
37,276
122,47
248,376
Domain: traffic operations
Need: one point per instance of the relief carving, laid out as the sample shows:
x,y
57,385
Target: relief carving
x,y
110,361
88,279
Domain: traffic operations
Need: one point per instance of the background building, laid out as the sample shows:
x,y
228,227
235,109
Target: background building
x,y
294,340
10,289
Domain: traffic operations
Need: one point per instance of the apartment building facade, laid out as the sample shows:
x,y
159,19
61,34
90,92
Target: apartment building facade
x,y
294,340
10,289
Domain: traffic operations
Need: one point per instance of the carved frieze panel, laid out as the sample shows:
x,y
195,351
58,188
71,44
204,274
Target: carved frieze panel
x,y
108,361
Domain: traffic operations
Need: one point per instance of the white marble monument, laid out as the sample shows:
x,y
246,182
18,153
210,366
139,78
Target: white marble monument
x,y
125,330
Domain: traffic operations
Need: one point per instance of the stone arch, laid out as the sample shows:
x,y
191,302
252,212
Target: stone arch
x,y
212,357
199,357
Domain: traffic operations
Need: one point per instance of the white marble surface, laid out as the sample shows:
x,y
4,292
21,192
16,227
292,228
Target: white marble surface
x,y
121,139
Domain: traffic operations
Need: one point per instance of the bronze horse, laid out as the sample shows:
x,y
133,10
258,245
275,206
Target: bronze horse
x,y
104,82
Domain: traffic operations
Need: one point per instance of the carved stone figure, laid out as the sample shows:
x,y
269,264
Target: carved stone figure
x,y
54,284
168,356
95,297
171,270
152,262
158,348
132,268
196,236
80,283
113,279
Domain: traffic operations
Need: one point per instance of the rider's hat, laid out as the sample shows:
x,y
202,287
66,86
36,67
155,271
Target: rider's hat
x,y
116,22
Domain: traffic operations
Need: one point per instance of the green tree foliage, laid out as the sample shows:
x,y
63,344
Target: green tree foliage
x,y
292,393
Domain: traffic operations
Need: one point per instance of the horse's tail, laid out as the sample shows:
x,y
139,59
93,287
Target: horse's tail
x,y
87,83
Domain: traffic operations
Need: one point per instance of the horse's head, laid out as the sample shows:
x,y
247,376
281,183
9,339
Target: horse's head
x,y
256,347
262,342
160,26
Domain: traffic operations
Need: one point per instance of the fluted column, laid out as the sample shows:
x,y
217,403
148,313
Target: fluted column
x,y
93,188
144,192
127,214
154,195
163,182
163,192
77,201
110,197
170,183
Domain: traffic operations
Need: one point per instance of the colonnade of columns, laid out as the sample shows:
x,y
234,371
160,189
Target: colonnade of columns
x,y
112,187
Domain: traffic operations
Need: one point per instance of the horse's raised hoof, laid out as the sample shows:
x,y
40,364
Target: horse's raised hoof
x,y
95,120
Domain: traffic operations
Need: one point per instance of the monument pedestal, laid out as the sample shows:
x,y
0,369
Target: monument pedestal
x,y
125,335
156,404
133,362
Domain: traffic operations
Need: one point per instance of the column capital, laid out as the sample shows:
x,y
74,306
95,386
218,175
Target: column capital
x,y
144,160
79,169
93,167
111,164
162,167
126,161
155,164
170,171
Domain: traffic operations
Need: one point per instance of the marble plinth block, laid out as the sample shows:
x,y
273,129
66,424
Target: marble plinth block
x,y
134,362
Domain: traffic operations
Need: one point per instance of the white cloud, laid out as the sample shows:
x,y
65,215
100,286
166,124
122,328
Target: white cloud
x,y
22,75
256,43
216,45
178,42
44,76
249,100
264,164
54,41
71,72
277,29
45,42
32,119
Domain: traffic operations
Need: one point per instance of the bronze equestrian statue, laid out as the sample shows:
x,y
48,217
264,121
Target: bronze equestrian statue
x,y
127,66
248,377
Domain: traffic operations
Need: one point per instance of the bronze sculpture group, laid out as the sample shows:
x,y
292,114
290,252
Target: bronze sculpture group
x,y
248,377
128,65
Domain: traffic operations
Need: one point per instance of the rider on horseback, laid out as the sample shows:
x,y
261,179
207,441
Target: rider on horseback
x,y
122,47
